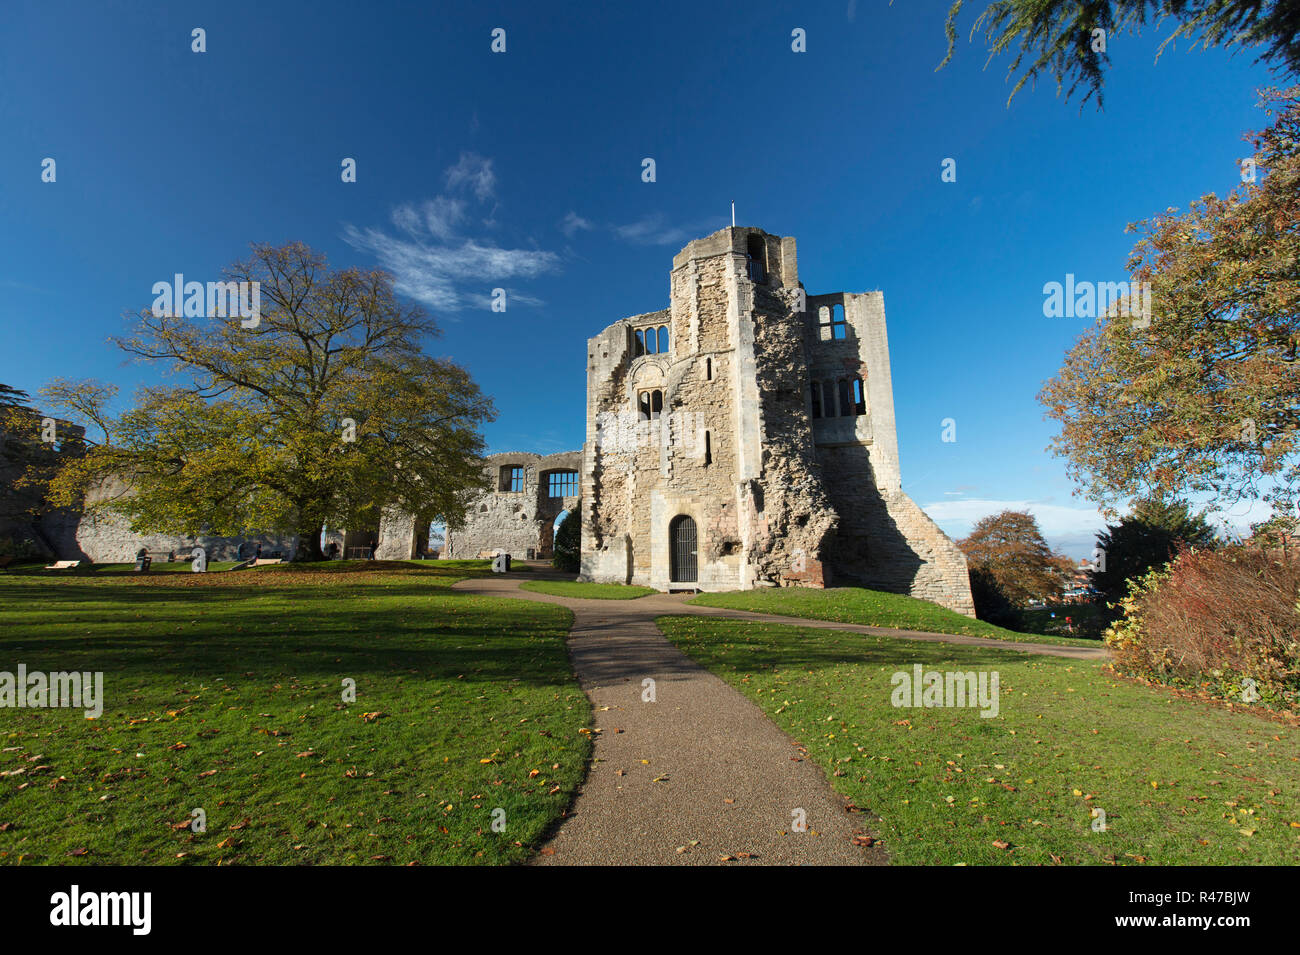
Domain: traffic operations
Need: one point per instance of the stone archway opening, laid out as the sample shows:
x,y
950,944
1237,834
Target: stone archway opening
x,y
683,550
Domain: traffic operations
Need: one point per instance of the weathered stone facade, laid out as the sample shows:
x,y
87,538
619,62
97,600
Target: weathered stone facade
x,y
518,515
104,537
760,420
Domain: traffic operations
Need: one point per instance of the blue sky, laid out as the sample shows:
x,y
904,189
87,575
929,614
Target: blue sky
x,y
523,170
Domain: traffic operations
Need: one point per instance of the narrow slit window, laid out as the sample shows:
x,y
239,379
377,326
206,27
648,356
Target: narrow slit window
x,y
708,369
708,449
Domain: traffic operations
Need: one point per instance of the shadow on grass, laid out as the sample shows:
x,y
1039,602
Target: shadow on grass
x,y
763,646
299,632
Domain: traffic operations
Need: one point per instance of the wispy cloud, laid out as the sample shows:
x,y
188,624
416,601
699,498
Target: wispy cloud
x,y
433,261
474,172
1071,530
654,229
574,223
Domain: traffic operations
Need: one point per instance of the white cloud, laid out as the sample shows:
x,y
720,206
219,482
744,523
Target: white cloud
x,y
439,217
474,172
433,262
574,223
1071,530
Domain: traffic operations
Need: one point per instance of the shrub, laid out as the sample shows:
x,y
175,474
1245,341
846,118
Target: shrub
x,y
1213,620
992,603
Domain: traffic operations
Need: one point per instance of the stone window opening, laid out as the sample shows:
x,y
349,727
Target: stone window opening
x,y
816,399
512,479
651,341
562,484
846,397
828,400
708,449
755,258
859,398
708,369
831,323
650,405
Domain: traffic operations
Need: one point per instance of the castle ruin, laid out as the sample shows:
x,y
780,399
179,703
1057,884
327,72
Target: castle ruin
x,y
742,437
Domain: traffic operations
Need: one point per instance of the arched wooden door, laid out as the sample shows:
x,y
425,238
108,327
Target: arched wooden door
x,y
681,547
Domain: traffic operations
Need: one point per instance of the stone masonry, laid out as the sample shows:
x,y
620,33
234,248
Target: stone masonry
x,y
744,437
517,516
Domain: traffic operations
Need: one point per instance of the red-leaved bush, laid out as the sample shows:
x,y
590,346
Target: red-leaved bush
x,y
1225,621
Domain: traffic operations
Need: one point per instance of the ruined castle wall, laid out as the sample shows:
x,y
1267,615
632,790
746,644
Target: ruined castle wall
x,y
102,536
779,496
514,522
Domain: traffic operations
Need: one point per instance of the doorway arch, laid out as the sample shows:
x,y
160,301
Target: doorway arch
x,y
684,564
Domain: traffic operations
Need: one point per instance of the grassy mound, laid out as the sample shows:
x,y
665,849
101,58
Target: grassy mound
x,y
873,608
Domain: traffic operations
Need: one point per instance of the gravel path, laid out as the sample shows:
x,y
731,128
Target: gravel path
x,y
699,776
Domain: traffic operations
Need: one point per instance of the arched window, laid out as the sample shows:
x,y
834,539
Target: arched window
x,y
708,369
816,399
649,404
639,349
681,549
663,339
859,398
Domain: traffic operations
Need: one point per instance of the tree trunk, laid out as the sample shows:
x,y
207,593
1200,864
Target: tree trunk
x,y
309,545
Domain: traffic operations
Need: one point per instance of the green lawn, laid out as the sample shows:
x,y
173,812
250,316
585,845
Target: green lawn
x,y
873,608
570,588
224,692
1180,782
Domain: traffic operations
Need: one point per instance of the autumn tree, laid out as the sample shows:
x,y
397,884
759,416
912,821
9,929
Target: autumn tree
x,y
1008,552
1059,38
323,409
1148,537
1204,398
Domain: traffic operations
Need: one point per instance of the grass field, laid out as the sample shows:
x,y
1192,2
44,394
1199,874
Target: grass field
x,y
871,608
1180,782
570,588
224,692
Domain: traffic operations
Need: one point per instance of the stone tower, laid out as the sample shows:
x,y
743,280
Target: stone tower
x,y
744,437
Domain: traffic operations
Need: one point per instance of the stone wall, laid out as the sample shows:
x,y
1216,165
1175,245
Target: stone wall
x,y
102,536
783,489
514,522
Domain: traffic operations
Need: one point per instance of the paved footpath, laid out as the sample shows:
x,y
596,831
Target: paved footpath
x,y
700,773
